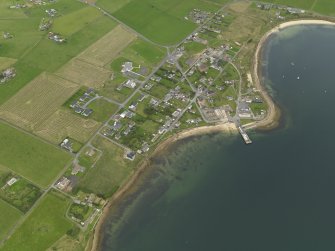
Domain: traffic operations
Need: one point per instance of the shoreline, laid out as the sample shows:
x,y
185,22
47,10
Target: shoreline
x,y
272,118
271,121
226,127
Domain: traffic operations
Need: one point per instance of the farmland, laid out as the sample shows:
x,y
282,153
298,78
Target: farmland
x,y
168,15
105,49
9,216
37,101
106,178
64,124
30,157
84,73
80,115
43,227
37,53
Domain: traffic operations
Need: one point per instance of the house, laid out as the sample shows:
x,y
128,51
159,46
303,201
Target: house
x,y
145,148
7,75
117,125
51,12
130,84
7,35
127,67
74,104
78,110
131,155
63,183
66,144
133,106
12,181
87,112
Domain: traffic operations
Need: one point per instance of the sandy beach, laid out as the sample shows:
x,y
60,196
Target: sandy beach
x,y
270,121
272,118
228,128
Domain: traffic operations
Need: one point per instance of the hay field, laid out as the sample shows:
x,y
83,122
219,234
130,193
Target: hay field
x,y
105,49
64,123
37,101
84,73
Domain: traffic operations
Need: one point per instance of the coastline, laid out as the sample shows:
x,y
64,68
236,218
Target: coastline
x,y
226,127
271,121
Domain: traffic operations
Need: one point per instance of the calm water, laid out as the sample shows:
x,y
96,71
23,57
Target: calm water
x,y
215,193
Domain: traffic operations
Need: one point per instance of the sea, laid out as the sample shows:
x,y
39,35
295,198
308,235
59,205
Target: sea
x,y
214,193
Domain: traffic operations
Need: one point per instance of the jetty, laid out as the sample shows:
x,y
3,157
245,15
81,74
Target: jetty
x,y
244,135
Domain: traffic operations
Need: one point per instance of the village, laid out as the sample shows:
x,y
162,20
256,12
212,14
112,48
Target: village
x,y
118,108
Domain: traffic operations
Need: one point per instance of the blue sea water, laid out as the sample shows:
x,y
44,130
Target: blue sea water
x,y
278,194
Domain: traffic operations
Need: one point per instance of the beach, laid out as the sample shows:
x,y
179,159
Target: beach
x,y
270,121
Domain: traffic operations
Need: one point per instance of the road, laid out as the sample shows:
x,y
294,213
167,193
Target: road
x,y
169,48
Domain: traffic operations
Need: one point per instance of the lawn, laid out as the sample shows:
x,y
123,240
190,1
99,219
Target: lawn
x,y
9,216
30,157
102,109
167,15
43,227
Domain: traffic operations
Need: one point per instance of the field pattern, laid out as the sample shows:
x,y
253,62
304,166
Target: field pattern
x,y
75,21
105,177
9,216
43,227
64,124
105,49
37,101
169,25
84,73
28,156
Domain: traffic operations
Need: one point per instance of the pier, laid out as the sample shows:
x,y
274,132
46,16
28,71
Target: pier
x,y
244,135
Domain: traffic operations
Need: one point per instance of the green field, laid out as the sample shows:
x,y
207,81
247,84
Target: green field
x,y
110,171
326,7
75,21
36,53
169,25
43,227
9,216
102,109
30,157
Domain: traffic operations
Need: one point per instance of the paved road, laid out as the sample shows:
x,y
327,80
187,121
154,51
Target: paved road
x,y
121,105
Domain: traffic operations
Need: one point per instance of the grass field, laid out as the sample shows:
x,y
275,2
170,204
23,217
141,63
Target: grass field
x,y
75,21
105,49
110,171
6,62
37,101
43,227
64,123
142,53
102,109
167,16
47,55
9,216
30,157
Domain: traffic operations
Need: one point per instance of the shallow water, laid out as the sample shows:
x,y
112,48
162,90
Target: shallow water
x,y
215,193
